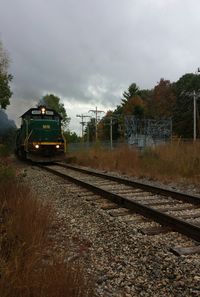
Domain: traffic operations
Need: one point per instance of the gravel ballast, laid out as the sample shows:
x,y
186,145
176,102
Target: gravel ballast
x,y
122,261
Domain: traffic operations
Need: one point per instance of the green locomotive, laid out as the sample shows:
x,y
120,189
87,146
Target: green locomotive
x,y
40,137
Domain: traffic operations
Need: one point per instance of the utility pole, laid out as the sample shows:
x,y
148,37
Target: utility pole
x,y
111,133
195,116
112,118
82,122
88,134
195,97
96,111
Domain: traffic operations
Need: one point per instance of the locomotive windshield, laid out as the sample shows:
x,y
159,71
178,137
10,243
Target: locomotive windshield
x,y
46,117
42,111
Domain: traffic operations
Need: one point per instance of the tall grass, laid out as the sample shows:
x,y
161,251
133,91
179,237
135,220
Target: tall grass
x,y
24,229
172,161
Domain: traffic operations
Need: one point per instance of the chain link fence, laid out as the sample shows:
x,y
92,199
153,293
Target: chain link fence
x,y
147,132
137,133
84,146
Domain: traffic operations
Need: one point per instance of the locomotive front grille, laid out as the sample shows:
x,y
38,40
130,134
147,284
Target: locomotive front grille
x,y
47,148
44,143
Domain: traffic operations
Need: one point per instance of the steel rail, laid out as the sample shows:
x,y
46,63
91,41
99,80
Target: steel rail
x,y
153,189
175,224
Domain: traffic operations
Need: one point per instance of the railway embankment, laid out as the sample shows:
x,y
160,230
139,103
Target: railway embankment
x,y
122,261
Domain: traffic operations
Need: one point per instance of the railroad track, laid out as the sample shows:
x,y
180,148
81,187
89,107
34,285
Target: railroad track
x,y
174,211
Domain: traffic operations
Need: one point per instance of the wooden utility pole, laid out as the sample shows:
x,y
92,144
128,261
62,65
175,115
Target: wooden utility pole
x,y
96,111
82,122
195,116
111,133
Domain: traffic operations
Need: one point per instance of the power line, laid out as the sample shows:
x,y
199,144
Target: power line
x,y
96,111
82,116
111,119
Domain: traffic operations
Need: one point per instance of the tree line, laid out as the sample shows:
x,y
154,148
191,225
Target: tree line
x,y
167,100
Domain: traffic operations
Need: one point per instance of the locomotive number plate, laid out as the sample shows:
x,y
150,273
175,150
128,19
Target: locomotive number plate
x,y
46,126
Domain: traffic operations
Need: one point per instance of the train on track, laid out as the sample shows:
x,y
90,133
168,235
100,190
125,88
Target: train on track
x,y
40,137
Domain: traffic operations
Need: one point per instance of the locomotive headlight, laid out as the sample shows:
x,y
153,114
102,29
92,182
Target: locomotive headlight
x,y
57,146
43,110
37,146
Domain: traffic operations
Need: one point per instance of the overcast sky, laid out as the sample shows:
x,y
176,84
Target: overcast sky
x,y
88,52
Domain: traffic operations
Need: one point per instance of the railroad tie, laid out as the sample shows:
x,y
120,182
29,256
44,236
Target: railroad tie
x,y
179,251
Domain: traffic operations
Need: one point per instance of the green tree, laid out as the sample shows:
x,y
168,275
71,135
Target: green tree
x,y
5,78
89,134
163,100
118,124
183,111
71,137
134,106
53,102
132,103
5,91
133,90
146,94
4,59
104,126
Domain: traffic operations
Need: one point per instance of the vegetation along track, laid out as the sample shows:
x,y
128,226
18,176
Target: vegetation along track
x,y
178,211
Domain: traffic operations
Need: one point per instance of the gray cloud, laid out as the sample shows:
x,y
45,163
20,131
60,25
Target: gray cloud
x,y
90,51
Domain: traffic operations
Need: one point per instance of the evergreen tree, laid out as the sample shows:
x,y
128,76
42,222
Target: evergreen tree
x,y
133,90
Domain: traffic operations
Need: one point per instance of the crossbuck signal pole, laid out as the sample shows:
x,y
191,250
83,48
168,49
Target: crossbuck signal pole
x,y
82,122
96,111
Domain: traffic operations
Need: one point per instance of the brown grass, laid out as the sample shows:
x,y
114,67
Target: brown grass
x,y
24,229
174,161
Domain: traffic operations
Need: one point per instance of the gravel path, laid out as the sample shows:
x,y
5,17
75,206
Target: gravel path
x,y
123,261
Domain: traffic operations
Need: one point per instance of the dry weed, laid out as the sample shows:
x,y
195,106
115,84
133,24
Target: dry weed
x,y
173,161
25,223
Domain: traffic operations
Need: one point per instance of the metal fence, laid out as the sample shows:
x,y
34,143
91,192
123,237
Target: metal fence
x,y
147,132
138,133
84,146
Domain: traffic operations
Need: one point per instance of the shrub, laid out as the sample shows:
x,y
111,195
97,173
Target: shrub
x,y
23,245
170,161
